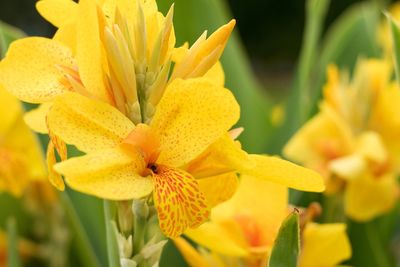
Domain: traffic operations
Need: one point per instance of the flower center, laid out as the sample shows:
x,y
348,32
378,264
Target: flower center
x,y
143,140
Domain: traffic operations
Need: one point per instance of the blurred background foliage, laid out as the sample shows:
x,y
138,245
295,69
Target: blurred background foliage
x,y
275,64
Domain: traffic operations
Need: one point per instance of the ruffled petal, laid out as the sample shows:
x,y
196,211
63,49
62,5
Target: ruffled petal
x,y
36,118
180,203
218,189
57,12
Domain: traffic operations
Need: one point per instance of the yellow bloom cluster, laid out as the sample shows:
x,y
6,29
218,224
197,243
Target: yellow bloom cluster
x,y
154,121
353,140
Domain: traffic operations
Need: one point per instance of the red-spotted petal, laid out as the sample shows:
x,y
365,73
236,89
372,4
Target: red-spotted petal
x,y
179,201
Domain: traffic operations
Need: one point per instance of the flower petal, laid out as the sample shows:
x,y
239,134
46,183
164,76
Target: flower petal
x,y
248,206
57,12
218,189
324,245
220,238
88,124
180,203
36,118
283,172
192,115
223,156
369,196
190,254
29,70
110,174
54,177
324,137
89,53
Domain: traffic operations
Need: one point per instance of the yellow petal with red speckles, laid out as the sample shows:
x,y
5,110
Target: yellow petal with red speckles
x,y
180,203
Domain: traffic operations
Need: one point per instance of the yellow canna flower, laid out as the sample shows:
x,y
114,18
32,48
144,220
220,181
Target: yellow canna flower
x,y
353,140
108,92
242,231
20,154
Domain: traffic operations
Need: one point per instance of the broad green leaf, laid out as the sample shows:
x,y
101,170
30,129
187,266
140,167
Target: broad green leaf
x,y
13,259
395,32
287,244
191,19
112,245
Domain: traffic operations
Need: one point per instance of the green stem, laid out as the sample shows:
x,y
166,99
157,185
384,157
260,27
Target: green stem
x,y
315,14
376,245
112,245
82,243
13,259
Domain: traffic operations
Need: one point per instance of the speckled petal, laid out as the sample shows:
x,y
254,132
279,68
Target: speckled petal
x,y
109,174
29,70
88,124
179,202
192,115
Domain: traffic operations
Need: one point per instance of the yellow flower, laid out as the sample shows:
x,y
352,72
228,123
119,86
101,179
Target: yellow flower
x,y
353,140
20,155
119,52
142,132
242,231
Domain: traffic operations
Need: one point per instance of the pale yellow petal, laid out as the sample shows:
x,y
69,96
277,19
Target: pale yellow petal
x,y
324,245
369,196
249,204
67,35
29,70
54,177
88,124
192,115
283,172
218,189
57,12
36,118
109,174
218,238
89,50
223,156
348,167
325,136
371,146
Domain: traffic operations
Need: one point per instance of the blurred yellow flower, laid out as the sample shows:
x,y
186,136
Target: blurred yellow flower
x,y
353,140
242,231
21,160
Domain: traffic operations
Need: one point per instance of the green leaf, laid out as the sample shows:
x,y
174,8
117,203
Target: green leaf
x,y
395,32
287,244
112,245
7,35
189,23
13,259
